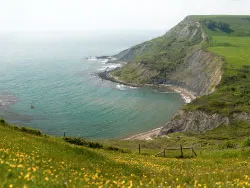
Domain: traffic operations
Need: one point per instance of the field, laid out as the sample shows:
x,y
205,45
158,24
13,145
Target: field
x,y
28,160
233,93
238,23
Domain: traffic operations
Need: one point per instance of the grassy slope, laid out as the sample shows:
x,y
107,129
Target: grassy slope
x,y
27,160
233,93
160,56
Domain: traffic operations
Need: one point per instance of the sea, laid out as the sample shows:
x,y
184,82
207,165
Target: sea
x,y
47,83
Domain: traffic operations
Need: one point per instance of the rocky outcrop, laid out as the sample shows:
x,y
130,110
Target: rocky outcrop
x,y
194,121
188,29
243,116
199,122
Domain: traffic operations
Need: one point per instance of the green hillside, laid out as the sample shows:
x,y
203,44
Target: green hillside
x,y
151,61
28,160
233,93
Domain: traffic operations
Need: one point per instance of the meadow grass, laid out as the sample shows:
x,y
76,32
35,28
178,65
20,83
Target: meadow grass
x,y
28,160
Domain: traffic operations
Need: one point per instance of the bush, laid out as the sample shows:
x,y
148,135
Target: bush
x,y
83,142
76,141
3,122
95,145
31,131
213,25
22,129
112,148
246,143
227,145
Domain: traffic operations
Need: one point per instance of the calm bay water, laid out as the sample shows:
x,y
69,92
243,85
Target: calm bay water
x,y
53,75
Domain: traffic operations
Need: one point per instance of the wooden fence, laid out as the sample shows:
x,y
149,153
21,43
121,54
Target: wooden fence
x,y
180,148
175,149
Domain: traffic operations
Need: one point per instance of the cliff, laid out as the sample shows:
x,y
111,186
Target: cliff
x,y
207,55
200,122
175,58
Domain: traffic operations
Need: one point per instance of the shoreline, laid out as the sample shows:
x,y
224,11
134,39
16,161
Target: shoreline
x,y
186,95
149,135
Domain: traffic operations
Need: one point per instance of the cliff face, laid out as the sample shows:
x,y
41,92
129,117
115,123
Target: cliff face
x,y
199,122
175,58
200,73
188,29
196,121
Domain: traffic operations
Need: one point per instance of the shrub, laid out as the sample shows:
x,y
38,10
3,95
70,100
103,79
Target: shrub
x,y
83,142
213,25
76,141
31,131
246,143
22,129
2,121
227,145
112,148
95,145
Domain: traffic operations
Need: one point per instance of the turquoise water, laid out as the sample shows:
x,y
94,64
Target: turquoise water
x,y
54,76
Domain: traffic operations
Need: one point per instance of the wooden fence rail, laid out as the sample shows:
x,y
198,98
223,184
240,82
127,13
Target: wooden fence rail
x,y
180,148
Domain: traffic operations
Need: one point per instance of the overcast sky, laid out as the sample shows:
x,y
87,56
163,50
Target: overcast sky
x,y
86,15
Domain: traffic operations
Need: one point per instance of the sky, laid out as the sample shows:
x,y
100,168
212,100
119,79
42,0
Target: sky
x,y
92,15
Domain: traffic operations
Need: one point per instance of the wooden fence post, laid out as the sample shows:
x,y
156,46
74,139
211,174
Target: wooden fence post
x,y
181,150
139,148
200,149
194,151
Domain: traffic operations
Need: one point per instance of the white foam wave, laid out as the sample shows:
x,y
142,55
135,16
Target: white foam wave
x,y
186,99
157,91
124,87
121,87
109,67
91,58
104,61
131,87
166,92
